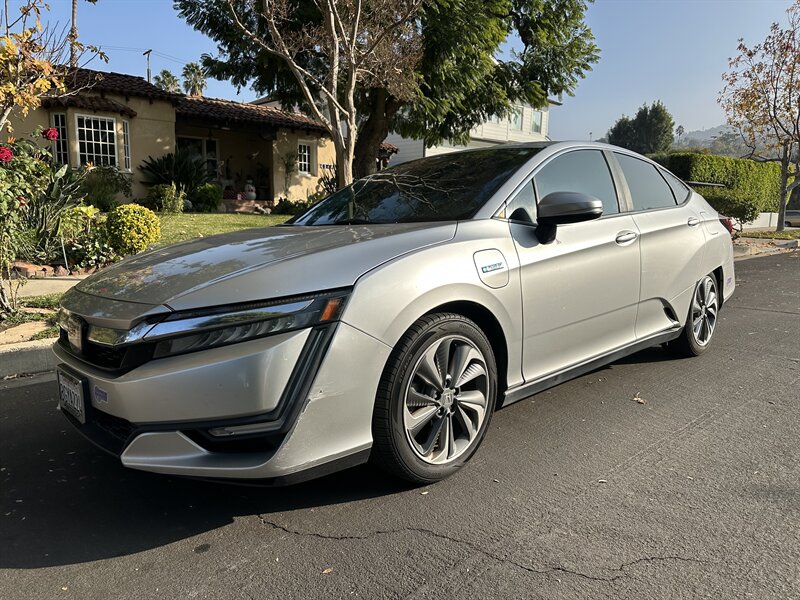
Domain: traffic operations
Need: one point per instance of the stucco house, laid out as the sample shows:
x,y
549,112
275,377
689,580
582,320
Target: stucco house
x,y
120,120
526,124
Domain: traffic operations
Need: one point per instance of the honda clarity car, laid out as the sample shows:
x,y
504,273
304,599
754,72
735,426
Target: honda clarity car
x,y
388,322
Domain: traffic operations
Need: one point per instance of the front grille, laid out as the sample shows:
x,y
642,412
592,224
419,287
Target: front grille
x,y
116,427
108,358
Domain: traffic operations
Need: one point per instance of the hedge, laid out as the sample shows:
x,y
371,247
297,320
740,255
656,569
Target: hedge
x,y
750,187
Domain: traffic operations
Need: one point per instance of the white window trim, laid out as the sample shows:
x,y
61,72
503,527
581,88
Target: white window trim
x,y
114,129
521,110
60,137
533,121
312,167
126,146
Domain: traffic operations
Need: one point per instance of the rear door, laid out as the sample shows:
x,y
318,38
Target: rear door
x,y
579,292
671,243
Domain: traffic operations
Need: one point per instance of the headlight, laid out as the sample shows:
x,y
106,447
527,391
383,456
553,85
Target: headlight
x,y
189,331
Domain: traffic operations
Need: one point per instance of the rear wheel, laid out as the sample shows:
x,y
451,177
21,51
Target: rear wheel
x,y
701,321
435,399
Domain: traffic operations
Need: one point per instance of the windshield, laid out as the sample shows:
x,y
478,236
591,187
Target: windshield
x,y
442,188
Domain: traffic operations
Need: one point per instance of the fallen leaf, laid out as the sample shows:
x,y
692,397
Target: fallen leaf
x,y
326,571
424,493
639,399
602,481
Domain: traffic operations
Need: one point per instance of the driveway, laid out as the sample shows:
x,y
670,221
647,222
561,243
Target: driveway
x,y
581,491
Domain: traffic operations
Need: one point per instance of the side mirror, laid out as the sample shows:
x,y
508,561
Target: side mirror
x,y
560,208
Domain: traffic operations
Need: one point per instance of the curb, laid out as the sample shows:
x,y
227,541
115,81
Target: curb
x,y
25,358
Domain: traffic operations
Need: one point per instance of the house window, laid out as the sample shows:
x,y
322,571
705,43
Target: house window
x,y
97,141
536,121
126,144
304,158
206,149
516,118
60,146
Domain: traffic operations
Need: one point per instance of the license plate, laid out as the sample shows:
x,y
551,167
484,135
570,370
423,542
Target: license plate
x,y
70,395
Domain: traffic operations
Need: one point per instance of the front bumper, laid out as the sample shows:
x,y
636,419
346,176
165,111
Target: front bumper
x,y
311,392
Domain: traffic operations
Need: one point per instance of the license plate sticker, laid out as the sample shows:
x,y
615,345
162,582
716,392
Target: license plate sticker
x,y
70,395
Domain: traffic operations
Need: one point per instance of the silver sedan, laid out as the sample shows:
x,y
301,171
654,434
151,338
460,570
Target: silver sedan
x,y
389,321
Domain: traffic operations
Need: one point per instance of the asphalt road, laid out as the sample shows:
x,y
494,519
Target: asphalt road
x,y
579,492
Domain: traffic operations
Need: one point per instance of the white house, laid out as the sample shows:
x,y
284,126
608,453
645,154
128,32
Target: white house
x,y
526,124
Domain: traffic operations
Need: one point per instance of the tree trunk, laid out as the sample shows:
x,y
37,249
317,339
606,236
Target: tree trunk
x,y
784,187
373,131
73,36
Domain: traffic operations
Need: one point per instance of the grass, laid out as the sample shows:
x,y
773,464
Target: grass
x,y
49,301
791,234
178,228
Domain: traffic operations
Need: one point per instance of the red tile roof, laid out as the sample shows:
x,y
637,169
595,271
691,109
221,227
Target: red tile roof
x,y
116,83
228,111
91,103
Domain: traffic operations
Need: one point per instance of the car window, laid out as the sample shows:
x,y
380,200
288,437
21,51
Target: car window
x,y
648,188
583,171
679,188
522,207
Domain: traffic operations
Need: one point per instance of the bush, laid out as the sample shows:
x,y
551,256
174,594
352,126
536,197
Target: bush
x,y
102,185
751,187
131,228
85,238
287,207
165,197
185,169
206,198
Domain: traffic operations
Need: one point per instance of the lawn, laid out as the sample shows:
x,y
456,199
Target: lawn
x,y
789,234
177,228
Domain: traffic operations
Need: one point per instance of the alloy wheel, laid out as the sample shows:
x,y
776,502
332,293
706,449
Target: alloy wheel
x,y
446,400
705,307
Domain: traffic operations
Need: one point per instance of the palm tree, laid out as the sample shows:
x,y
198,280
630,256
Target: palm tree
x,y
168,82
194,79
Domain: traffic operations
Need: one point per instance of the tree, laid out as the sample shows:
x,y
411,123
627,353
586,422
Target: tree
x,y
457,80
168,82
649,131
74,47
762,100
373,42
679,131
194,79
33,60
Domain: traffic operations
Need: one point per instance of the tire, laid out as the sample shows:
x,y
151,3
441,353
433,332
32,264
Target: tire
x,y
427,424
701,321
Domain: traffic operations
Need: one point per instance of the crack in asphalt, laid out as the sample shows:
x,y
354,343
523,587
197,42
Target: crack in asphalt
x,y
429,532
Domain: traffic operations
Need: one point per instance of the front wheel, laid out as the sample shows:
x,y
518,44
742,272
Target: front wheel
x,y
701,321
435,399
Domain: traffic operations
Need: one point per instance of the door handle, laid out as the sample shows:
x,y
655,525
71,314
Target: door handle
x,y
693,222
625,237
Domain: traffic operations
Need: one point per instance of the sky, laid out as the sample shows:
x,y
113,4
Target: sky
x,y
669,50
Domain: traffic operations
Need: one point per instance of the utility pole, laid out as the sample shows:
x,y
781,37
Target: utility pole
x,y
147,54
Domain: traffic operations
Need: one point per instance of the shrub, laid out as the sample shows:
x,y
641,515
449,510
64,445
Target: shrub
x,y
85,238
131,228
206,198
185,169
102,185
751,187
287,207
165,197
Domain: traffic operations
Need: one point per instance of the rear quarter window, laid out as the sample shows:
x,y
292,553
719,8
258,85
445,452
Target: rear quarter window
x,y
680,189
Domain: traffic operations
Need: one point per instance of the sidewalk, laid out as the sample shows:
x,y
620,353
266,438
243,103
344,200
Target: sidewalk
x,y
47,285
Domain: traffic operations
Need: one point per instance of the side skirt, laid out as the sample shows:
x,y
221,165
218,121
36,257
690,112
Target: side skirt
x,y
521,392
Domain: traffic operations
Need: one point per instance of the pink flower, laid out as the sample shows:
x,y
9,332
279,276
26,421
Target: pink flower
x,y
22,202
6,154
51,133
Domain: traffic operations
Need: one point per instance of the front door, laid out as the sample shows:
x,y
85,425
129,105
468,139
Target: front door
x,y
580,292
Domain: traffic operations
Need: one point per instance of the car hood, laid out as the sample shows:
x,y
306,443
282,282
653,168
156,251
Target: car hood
x,y
257,264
